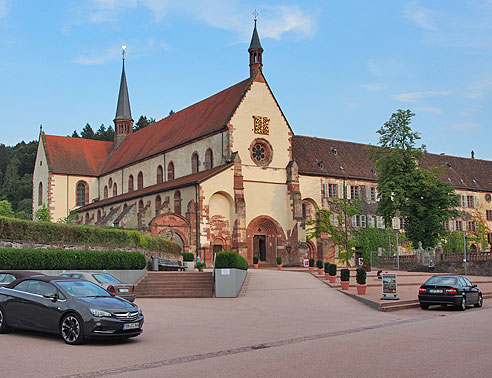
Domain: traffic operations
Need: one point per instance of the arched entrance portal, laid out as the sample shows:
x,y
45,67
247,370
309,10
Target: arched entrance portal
x,y
266,239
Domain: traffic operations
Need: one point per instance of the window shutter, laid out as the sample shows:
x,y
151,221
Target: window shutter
x,y
325,190
463,201
451,226
354,220
347,188
380,221
336,252
340,191
475,202
363,221
377,195
370,221
396,223
463,223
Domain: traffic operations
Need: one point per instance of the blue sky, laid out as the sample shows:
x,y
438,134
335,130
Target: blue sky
x,y
337,68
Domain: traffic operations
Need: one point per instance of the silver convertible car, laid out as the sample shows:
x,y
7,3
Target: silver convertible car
x,y
75,309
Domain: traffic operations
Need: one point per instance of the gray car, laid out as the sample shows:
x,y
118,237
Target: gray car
x,y
107,282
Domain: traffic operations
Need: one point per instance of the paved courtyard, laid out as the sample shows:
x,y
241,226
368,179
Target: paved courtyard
x,y
287,324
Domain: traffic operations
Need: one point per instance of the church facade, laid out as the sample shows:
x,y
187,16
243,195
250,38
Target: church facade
x,y
226,173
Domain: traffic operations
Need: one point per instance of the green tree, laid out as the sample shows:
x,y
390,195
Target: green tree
x,y
143,122
6,209
75,134
11,179
42,214
336,221
171,112
406,189
87,132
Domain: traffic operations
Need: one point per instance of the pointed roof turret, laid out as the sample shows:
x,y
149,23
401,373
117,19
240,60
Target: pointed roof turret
x,y
255,52
123,110
255,40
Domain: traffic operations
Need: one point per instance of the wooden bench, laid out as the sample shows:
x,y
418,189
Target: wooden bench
x,y
165,264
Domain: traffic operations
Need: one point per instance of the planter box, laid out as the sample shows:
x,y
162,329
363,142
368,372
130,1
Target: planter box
x,y
228,282
189,265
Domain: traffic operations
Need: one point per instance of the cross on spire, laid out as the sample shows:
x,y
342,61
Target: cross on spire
x,y
123,52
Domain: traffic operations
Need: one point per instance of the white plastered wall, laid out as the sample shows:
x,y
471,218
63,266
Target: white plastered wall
x,y
40,174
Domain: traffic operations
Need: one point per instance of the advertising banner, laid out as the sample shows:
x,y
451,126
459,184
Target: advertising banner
x,y
389,286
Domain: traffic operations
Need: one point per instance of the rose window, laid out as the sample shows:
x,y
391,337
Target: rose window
x,y
258,152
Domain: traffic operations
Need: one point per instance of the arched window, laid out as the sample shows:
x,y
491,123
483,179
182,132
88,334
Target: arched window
x,y
209,159
86,218
82,193
159,174
115,190
98,215
158,203
110,183
140,205
130,183
194,163
177,202
105,192
140,180
170,171
40,194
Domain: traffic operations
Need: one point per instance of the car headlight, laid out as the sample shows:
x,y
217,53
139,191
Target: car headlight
x,y
100,313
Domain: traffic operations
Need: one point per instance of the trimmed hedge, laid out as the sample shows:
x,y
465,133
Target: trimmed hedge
x,y
230,259
54,259
45,232
188,256
344,274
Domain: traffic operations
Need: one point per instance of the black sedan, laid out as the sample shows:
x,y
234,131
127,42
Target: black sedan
x,y
75,309
8,276
449,290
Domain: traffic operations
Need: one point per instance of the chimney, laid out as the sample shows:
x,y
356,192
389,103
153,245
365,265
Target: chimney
x,y
473,154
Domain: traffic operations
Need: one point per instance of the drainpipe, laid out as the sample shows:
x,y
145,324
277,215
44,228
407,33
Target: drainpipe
x,y
197,216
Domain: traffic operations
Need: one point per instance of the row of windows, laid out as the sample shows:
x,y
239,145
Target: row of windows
x,y
459,225
351,191
141,205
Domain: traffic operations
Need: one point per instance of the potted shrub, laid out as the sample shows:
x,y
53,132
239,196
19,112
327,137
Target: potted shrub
x,y
361,281
255,262
319,265
200,266
279,262
311,265
344,278
188,261
332,270
327,271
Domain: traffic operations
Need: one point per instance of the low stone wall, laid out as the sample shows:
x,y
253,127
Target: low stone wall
x,y
24,244
474,268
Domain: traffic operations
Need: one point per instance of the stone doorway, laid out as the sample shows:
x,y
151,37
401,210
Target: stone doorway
x,y
259,247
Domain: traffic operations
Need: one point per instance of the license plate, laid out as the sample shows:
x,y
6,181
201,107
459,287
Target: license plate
x,y
435,291
123,290
131,326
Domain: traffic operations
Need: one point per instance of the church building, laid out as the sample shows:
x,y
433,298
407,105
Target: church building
x,y
226,173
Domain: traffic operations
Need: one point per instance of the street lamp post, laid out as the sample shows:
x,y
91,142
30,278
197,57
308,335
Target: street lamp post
x,y
464,251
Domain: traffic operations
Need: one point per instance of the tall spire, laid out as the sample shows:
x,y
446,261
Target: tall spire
x,y
123,122
255,51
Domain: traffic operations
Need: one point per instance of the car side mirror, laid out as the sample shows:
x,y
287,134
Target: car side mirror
x,y
53,297
474,285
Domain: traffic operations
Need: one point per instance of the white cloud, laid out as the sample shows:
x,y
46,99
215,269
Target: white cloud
x,y
222,14
98,57
422,17
465,125
429,109
413,96
374,87
4,7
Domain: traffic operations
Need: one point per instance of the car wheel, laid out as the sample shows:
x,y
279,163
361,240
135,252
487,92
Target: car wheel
x,y
3,321
462,306
479,301
424,306
71,329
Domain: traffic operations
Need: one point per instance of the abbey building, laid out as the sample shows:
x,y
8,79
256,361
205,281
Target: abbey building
x,y
226,173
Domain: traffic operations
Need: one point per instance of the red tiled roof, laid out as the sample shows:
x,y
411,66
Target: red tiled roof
x,y
203,118
76,156
462,173
168,185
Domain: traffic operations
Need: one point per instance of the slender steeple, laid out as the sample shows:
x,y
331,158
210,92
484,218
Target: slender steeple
x,y
255,51
123,122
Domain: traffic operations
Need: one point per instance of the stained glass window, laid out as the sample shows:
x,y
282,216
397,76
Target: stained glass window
x,y
262,125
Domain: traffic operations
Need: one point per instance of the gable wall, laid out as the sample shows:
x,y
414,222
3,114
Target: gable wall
x,y
40,174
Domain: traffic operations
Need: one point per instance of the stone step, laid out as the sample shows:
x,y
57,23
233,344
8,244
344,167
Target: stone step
x,y
175,285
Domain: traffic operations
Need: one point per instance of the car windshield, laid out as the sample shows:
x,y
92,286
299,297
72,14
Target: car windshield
x,y
82,289
441,280
105,278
